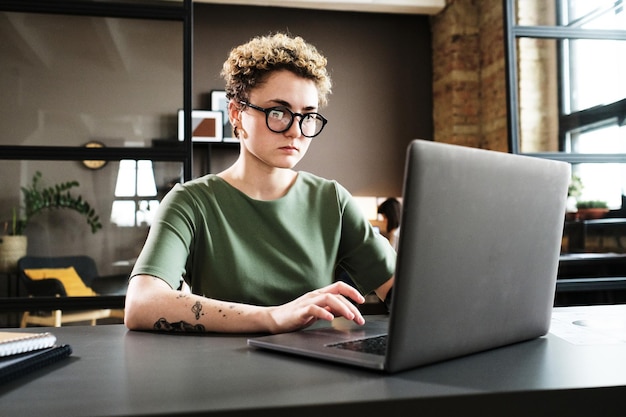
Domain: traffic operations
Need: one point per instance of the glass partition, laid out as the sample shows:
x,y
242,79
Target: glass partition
x,y
91,92
125,212
69,80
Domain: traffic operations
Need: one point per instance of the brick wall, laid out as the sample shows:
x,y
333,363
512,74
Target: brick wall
x,y
469,75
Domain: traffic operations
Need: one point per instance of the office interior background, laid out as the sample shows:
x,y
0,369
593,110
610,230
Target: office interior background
x,y
70,80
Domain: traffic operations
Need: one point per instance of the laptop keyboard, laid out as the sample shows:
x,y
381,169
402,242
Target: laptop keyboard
x,y
376,345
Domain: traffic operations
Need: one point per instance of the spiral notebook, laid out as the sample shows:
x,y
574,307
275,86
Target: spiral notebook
x,y
13,343
16,366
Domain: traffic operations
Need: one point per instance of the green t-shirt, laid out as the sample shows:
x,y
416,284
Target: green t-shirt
x,y
231,247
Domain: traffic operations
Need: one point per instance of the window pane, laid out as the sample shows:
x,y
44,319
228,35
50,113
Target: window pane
x,y
66,80
126,179
61,232
606,140
587,14
595,70
146,212
123,213
605,182
596,14
146,187
538,95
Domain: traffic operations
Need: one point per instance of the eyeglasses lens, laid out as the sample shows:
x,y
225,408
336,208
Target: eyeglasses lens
x,y
279,120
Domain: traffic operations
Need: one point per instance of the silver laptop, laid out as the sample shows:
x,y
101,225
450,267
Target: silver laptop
x,y
479,246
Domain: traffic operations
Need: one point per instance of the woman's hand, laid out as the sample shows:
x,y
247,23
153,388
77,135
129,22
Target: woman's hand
x,y
323,304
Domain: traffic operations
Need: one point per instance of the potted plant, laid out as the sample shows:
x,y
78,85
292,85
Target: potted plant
x,y
592,209
37,198
575,187
573,192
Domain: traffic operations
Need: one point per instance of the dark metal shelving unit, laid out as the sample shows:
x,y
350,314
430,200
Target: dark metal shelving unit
x,y
183,151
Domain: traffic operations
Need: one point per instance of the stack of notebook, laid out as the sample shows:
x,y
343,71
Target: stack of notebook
x,y
22,353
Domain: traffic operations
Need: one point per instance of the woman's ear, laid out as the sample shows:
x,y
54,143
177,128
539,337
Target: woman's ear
x,y
234,116
234,112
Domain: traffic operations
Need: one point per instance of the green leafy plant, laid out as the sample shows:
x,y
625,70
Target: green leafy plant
x,y
587,204
575,187
38,197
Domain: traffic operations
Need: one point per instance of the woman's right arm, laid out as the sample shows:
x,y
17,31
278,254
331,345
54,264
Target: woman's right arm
x,y
151,304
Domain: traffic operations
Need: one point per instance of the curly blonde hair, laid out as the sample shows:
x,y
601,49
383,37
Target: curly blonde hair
x,y
248,65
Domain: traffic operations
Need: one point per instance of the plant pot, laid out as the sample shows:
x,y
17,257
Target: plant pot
x,y
12,248
592,213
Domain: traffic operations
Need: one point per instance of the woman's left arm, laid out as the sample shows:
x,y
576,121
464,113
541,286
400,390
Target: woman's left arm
x,y
383,290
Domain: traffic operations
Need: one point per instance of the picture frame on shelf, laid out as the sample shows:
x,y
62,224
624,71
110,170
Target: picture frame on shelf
x,y
206,126
219,102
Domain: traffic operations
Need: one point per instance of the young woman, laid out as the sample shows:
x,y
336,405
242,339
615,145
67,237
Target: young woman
x,y
255,247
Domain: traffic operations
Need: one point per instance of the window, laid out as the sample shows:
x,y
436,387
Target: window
x,y
134,187
567,60
77,72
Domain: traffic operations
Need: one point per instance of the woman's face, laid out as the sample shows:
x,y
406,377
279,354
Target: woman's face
x,y
263,146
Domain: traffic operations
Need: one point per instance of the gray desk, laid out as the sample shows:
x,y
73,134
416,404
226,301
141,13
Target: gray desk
x,y
116,372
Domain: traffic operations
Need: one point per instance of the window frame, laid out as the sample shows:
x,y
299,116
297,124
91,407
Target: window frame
x,y
585,117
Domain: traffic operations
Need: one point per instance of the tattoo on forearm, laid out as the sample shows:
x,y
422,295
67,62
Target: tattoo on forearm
x,y
231,307
197,310
181,326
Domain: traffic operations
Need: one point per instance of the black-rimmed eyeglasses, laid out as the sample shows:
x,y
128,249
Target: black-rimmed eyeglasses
x,y
279,119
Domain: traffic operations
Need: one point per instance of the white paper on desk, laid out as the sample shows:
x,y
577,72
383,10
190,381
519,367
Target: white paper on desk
x,y
600,325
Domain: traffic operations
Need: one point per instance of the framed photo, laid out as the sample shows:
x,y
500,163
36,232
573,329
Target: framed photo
x,y
206,126
219,102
